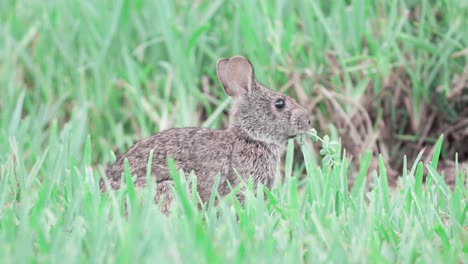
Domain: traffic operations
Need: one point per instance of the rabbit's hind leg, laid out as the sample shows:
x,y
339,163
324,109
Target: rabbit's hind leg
x,y
164,196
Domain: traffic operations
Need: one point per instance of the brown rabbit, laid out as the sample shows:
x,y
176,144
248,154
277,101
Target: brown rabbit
x,y
261,122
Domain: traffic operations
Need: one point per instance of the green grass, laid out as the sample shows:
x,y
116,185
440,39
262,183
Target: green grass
x,y
79,80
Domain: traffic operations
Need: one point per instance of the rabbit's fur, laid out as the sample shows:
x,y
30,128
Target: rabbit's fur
x,y
250,147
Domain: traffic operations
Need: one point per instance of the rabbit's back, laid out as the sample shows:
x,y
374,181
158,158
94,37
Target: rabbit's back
x,y
204,151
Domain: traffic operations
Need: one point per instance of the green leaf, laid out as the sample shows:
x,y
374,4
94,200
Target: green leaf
x,y
419,179
436,155
288,166
129,184
87,151
359,182
293,199
180,189
384,185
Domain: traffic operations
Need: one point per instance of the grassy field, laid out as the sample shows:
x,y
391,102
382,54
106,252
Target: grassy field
x,y
80,81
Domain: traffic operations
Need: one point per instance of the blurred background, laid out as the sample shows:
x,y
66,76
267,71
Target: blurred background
x,y
388,77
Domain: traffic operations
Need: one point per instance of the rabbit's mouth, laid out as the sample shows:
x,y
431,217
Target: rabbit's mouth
x,y
298,134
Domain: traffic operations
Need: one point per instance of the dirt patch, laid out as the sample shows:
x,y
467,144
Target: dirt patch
x,y
388,123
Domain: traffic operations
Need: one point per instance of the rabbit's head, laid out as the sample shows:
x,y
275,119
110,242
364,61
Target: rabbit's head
x,y
258,112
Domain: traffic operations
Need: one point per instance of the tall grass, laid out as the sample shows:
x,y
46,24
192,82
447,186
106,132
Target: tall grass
x,y
65,217
79,80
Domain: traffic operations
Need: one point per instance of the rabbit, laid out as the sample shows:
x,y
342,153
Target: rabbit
x,y
260,123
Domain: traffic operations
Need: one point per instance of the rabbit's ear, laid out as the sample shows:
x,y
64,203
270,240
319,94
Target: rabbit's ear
x,y
236,75
221,70
240,76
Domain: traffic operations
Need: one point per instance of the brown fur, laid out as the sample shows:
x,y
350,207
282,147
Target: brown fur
x,y
251,146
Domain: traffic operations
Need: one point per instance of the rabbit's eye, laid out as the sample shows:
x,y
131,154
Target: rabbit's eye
x,y
280,104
